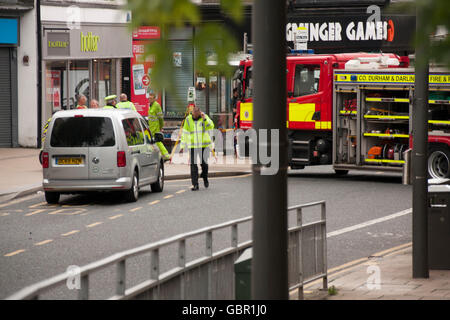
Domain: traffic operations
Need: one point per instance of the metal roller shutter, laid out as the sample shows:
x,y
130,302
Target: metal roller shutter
x,y
5,99
213,99
183,80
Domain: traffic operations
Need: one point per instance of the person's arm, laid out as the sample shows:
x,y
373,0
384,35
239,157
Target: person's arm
x,y
160,116
209,124
133,107
185,135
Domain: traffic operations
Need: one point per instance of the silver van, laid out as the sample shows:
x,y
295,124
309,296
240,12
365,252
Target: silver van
x,y
100,150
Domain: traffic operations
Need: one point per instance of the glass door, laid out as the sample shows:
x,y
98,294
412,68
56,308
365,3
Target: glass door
x,y
79,81
103,74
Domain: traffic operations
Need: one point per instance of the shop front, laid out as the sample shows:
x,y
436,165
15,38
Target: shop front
x,y
212,91
9,40
85,61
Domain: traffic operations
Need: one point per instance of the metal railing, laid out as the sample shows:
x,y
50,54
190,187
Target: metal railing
x,y
209,277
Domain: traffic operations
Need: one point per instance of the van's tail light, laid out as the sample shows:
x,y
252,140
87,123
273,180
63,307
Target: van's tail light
x,y
45,160
121,159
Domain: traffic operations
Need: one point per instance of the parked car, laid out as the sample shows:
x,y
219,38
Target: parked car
x,y
100,150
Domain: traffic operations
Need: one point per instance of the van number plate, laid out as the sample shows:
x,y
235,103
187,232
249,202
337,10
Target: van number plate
x,y
69,160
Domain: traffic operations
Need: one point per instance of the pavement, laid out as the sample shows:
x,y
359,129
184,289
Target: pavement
x,y
21,170
386,275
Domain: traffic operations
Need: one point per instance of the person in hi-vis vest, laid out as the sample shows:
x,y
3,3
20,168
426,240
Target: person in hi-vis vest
x,y
196,138
124,103
156,122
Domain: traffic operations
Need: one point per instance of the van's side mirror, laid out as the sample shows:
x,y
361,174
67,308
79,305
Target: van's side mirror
x,y
159,137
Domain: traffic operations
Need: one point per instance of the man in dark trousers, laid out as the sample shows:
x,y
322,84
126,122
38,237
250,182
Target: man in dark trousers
x,y
195,137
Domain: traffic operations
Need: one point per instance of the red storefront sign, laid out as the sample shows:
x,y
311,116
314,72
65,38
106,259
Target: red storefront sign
x,y
141,69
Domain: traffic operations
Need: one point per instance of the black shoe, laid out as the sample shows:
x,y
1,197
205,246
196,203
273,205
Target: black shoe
x,y
206,182
194,188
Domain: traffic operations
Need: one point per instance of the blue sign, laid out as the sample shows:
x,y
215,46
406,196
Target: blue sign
x,y
9,31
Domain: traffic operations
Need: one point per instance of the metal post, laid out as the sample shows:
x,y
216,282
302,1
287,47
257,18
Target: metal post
x,y
120,284
269,265
234,235
182,264
300,254
154,272
83,294
419,157
323,217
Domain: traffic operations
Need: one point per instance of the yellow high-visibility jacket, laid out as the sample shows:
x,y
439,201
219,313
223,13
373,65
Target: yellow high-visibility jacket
x,y
195,133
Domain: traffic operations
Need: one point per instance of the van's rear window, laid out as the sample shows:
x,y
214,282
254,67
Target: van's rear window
x,y
82,132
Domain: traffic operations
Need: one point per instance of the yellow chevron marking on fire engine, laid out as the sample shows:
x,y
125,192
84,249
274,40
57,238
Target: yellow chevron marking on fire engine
x,y
439,101
323,124
387,100
384,161
439,122
246,111
386,135
385,117
301,112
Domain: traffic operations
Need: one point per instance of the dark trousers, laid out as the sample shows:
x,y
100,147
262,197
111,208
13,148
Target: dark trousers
x,y
199,155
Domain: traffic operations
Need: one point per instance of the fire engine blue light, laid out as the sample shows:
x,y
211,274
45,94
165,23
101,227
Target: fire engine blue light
x,y
309,51
353,77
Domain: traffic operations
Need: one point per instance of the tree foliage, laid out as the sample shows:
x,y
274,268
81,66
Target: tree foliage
x,y
212,40
436,14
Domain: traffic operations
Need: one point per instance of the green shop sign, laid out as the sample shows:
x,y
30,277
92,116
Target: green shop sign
x,y
89,42
58,44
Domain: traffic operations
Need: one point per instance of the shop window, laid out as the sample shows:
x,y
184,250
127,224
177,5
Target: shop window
x,y
79,83
55,86
103,73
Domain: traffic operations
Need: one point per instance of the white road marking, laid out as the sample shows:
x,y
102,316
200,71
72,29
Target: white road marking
x,y
94,224
14,253
37,205
369,223
154,202
135,209
43,242
70,233
34,212
169,196
116,216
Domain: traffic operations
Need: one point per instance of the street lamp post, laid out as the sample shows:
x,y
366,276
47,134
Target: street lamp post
x,y
419,156
269,265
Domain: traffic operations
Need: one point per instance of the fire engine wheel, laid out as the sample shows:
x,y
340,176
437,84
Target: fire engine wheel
x,y
341,172
439,162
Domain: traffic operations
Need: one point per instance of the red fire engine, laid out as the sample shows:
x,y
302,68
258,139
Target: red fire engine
x,y
309,104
